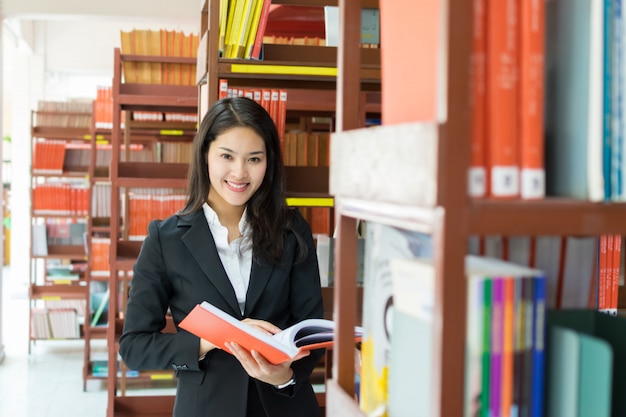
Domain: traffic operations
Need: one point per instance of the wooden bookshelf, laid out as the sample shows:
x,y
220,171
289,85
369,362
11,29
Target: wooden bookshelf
x,y
59,169
123,176
451,221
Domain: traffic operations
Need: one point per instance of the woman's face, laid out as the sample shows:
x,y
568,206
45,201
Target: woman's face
x,y
237,162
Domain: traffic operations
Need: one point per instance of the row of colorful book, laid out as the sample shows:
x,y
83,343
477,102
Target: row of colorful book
x,y
145,205
507,100
54,323
242,26
165,43
61,119
60,199
306,149
274,101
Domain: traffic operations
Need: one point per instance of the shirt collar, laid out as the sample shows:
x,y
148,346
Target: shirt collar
x,y
213,220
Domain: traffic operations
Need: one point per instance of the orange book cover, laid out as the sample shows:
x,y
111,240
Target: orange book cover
x,y
214,325
477,175
531,93
502,57
413,84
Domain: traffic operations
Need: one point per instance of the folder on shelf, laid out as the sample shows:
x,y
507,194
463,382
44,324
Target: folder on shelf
x,y
611,329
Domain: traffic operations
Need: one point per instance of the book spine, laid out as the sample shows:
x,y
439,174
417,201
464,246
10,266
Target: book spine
x,y
538,352
477,175
502,98
258,41
531,96
496,347
615,273
486,348
607,94
508,343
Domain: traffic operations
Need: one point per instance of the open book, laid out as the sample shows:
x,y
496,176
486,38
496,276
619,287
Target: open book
x,y
218,327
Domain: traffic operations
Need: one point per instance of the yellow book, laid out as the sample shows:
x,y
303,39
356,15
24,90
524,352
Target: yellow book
x,y
244,28
222,24
230,21
254,26
140,41
129,69
154,40
231,41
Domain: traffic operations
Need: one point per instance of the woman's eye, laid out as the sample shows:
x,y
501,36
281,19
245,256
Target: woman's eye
x,y
227,156
255,159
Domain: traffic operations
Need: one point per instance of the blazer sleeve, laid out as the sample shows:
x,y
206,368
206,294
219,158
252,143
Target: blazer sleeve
x,y
143,345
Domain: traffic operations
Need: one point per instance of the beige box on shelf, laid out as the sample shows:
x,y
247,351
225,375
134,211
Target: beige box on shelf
x,y
390,163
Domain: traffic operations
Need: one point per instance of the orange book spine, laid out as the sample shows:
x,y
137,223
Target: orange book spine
x,y
275,94
615,272
260,32
502,98
531,92
282,115
477,175
601,286
508,338
266,99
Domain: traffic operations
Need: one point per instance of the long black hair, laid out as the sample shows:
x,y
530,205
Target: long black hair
x,y
267,213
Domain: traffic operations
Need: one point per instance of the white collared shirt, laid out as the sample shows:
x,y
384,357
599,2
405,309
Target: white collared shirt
x,y
236,257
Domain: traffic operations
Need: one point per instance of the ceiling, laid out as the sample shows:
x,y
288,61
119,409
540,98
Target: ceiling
x,y
78,36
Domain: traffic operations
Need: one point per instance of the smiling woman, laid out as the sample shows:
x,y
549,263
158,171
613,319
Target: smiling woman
x,y
239,247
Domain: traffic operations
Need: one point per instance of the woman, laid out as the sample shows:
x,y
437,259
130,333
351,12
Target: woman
x,y
237,246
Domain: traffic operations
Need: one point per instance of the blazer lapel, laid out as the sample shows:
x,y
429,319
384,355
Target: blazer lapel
x,y
259,277
199,241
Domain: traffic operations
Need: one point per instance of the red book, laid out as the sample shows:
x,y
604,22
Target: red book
x,y
603,303
222,89
615,270
260,32
531,92
502,56
214,325
477,175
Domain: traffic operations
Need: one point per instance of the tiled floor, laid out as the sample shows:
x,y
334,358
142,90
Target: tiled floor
x,y
48,382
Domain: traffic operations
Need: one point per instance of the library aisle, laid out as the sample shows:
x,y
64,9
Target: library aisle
x,y
49,381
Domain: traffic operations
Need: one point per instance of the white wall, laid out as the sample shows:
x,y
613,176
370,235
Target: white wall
x,y
61,49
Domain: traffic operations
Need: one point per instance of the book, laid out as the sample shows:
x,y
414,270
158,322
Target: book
x,y
412,342
477,173
257,46
415,90
611,329
531,99
382,244
218,327
574,109
502,88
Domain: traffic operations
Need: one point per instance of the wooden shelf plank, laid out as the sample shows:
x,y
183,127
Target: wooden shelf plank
x,y
552,216
66,292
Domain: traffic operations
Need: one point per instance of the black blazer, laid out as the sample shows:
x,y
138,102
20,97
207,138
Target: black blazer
x,y
179,267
